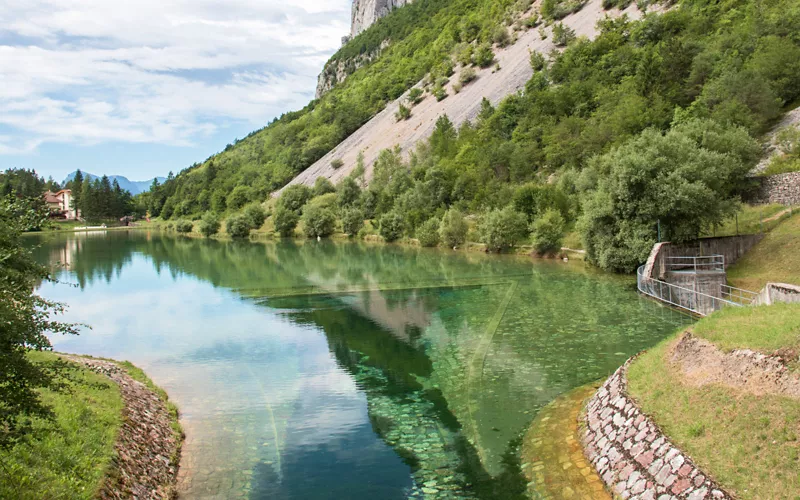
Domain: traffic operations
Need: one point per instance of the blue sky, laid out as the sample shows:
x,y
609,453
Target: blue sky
x,y
142,88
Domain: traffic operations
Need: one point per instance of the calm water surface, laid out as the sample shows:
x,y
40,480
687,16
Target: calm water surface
x,y
324,370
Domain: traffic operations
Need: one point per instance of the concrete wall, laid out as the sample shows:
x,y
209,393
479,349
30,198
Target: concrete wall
x,y
732,247
774,293
632,455
781,188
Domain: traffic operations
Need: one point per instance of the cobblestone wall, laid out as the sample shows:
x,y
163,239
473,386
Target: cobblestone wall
x,y
781,188
634,459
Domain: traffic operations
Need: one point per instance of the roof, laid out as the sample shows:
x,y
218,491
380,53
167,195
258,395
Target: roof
x,y
50,197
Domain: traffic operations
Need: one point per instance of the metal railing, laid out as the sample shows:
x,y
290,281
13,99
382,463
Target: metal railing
x,y
709,263
733,294
689,299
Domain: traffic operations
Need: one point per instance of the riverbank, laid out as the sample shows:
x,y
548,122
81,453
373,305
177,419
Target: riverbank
x,y
113,434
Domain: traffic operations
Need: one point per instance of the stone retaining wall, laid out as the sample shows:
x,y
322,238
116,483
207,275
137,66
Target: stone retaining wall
x,y
780,188
632,456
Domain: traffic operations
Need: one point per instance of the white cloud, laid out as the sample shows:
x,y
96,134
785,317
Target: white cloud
x,y
156,71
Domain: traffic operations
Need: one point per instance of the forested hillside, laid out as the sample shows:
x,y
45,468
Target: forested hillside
x,y
653,121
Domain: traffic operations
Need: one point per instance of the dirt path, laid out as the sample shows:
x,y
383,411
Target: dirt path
x,y
147,449
702,363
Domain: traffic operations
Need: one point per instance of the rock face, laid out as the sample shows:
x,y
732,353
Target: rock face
x,y
336,72
366,12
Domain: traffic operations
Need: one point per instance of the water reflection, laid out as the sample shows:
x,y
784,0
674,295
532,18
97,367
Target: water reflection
x,y
323,370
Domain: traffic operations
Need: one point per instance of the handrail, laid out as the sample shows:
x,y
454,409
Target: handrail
x,y
703,263
739,295
689,299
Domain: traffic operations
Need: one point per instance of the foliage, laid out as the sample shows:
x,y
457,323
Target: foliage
x,y
352,221
337,163
209,225
502,228
184,226
101,199
501,37
453,229
318,221
255,215
392,226
562,35
348,192
538,61
548,232
428,233
484,56
323,186
285,220
415,96
26,319
29,214
788,157
403,113
558,9
239,197
294,197
439,93
237,226
686,180
467,76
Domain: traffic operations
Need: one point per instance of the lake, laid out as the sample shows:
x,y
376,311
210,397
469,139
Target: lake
x,y
346,370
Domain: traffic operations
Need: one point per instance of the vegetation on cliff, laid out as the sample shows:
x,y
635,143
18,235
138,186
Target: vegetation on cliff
x,y
696,84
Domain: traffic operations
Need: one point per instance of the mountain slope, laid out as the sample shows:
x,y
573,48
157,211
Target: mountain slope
x,y
384,131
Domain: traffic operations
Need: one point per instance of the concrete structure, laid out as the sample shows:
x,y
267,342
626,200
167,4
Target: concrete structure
x,y
778,292
60,204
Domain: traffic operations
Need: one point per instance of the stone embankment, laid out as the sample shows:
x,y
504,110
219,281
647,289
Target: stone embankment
x,y
147,447
780,188
632,455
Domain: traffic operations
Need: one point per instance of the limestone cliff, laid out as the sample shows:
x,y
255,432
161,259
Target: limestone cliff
x,y
366,12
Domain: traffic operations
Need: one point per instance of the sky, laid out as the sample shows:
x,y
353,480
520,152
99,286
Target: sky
x,y
141,88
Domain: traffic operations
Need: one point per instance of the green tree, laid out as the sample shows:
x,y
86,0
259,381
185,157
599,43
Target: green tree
x,y
453,229
184,226
209,225
352,221
323,186
26,320
294,197
285,220
255,215
548,232
392,226
239,197
428,232
502,228
348,192
318,221
686,181
237,226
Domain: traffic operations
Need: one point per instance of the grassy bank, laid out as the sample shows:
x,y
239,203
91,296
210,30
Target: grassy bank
x,y
72,454
69,455
748,442
775,259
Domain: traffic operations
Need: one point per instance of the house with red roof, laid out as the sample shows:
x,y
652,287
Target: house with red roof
x,y
60,205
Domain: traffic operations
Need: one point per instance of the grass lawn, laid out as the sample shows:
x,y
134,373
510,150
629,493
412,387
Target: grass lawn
x,y
750,220
775,259
765,329
66,457
748,443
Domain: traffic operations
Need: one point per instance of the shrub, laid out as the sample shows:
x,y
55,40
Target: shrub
x,y
453,229
209,225
403,113
392,226
255,215
337,163
352,221
548,232
483,57
323,186
501,36
347,192
237,226
318,221
285,221
562,35
415,96
294,197
501,229
239,197
329,200
538,61
439,93
467,76
531,22
428,233
184,226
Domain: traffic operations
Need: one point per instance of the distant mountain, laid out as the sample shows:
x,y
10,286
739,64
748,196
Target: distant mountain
x,y
135,187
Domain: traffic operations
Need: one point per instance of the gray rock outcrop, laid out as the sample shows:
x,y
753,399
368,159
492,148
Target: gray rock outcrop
x,y
366,12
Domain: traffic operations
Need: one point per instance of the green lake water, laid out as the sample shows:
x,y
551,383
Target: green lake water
x,y
342,370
